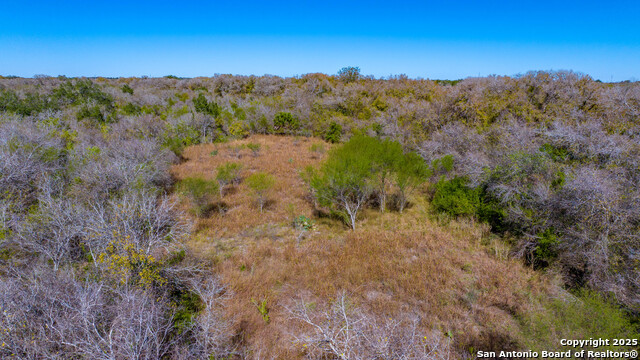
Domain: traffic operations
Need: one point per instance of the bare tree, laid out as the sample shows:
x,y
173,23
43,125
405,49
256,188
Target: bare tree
x,y
345,332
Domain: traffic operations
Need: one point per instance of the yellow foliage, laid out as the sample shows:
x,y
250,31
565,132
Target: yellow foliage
x,y
128,264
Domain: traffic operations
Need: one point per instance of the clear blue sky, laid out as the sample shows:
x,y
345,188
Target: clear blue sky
x,y
430,39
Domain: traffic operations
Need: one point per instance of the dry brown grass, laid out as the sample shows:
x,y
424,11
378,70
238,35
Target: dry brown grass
x,y
393,263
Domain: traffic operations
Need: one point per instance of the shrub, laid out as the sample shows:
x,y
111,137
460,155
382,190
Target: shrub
x,y
81,91
199,191
131,109
317,148
91,112
361,167
545,250
202,105
238,129
581,316
455,198
227,174
177,137
285,123
260,184
255,148
127,89
334,133
303,223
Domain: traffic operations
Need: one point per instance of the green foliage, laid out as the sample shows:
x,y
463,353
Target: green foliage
x,y
227,174
491,211
410,172
349,74
343,183
177,137
202,105
127,89
81,91
378,129
559,154
260,184
126,263
303,223
447,82
31,104
587,315
363,166
131,109
334,133
285,123
442,165
186,305
200,192
238,129
545,250
182,96
255,148
380,105
455,198
263,309
92,113
558,182
318,148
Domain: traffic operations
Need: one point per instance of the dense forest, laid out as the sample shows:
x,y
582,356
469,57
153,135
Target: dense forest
x,y
105,207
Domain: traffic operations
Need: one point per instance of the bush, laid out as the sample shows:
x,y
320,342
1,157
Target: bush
x,y
91,112
202,105
238,129
303,223
260,184
127,89
334,133
285,123
200,192
227,174
131,109
545,250
455,198
581,316
81,91
255,148
317,148
177,137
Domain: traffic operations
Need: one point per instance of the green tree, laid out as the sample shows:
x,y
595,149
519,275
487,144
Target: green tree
x,y
343,182
385,155
260,184
202,105
410,172
349,74
199,191
227,174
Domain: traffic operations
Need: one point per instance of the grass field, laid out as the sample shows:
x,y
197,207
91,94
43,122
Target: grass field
x,y
453,275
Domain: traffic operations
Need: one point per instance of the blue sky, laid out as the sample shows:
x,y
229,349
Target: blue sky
x,y
429,39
